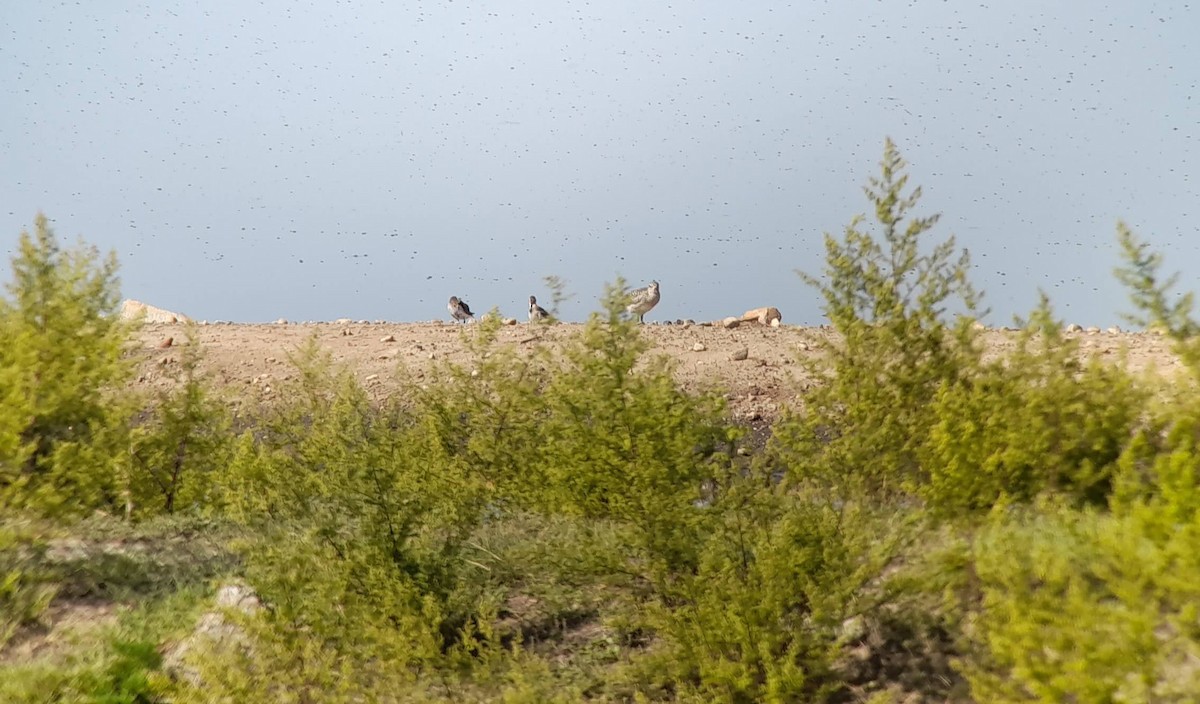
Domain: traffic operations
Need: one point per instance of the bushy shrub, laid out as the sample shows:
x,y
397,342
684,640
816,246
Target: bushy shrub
x,y
1036,419
762,617
904,311
61,369
1093,605
184,439
622,441
26,589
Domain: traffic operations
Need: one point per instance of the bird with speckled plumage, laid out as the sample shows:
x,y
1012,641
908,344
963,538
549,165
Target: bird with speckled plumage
x,y
641,300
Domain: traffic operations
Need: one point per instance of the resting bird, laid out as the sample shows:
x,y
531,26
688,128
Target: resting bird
x,y
641,300
536,312
459,310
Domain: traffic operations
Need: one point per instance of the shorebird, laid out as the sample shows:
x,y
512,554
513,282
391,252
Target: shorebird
x,y
641,300
459,310
536,312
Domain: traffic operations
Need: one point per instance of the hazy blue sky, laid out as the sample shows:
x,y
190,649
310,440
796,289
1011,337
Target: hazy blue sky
x,y
256,160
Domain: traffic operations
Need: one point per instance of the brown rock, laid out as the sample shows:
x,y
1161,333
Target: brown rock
x,y
731,322
739,354
762,316
166,343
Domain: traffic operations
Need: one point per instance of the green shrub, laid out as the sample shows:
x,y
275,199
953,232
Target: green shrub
x,y
1080,606
761,619
26,589
185,440
904,312
621,441
62,367
1033,420
1086,605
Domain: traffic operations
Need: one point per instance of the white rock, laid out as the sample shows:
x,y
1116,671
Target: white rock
x,y
731,322
213,631
698,347
281,321
133,310
1074,328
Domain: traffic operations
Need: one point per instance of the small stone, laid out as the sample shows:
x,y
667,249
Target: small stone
x,y
1114,330
166,343
346,332
743,452
731,322
509,321
803,346
776,322
1074,328
1092,330
698,347
372,377
364,322
978,326
281,321
342,321
388,338
739,354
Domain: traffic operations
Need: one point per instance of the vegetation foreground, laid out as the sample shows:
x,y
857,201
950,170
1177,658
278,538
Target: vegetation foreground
x,y
570,525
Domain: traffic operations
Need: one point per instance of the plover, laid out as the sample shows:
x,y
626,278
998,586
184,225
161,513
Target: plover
x,y
459,310
641,300
536,312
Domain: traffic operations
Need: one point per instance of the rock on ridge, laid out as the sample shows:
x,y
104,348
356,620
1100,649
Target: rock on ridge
x,y
131,310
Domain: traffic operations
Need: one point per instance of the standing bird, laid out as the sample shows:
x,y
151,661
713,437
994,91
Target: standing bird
x,y
641,300
536,312
459,310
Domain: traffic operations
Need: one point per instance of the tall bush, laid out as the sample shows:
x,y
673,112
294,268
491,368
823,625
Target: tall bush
x,y
903,309
63,369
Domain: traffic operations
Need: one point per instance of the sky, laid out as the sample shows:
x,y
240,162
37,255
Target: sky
x,y
249,161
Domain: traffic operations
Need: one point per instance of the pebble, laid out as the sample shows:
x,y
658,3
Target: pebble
x,y
739,354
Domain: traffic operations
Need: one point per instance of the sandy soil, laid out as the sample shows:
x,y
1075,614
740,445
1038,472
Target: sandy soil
x,y
249,360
